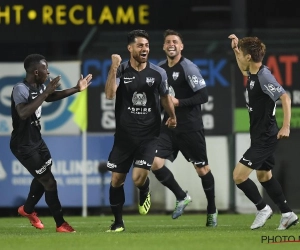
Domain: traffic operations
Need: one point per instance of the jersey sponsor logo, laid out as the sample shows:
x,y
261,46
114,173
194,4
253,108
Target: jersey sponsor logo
x,y
252,84
111,165
139,99
175,75
139,111
150,81
128,79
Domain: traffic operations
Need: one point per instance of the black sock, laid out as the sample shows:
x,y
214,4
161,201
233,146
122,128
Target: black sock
x,y
166,177
51,198
208,184
144,190
35,194
251,191
117,200
275,192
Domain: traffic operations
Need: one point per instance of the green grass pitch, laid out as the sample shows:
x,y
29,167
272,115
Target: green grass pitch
x,y
143,232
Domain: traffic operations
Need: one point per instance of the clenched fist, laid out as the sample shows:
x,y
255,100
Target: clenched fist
x,y
115,60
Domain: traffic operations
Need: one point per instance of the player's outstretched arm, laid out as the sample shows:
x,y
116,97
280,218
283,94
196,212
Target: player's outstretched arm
x,y
81,85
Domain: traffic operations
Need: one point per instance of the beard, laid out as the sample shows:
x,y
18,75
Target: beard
x,y
139,58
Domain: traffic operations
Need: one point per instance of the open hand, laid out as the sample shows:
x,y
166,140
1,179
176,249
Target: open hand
x,y
53,84
83,83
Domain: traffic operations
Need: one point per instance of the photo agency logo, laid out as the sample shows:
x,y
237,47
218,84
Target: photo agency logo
x,y
277,239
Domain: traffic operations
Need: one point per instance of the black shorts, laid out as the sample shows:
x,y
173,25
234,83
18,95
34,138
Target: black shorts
x,y
260,157
37,162
125,152
191,144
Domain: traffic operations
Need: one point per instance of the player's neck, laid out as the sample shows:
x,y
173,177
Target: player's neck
x,y
31,82
173,61
254,67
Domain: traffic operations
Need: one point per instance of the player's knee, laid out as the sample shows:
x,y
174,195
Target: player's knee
x,y
157,164
202,170
238,178
263,176
139,179
117,179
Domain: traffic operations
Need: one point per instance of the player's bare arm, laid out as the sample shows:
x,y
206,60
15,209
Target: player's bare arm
x,y
111,85
284,132
237,52
175,101
56,95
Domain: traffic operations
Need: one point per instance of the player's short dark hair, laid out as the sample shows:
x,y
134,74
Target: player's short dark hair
x,y
136,33
32,60
172,32
253,46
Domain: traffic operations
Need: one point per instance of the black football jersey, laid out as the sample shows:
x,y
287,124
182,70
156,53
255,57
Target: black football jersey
x,y
185,79
137,107
26,133
262,92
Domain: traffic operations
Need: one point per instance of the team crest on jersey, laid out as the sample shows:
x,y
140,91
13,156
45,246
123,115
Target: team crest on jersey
x,y
139,99
252,84
175,75
150,81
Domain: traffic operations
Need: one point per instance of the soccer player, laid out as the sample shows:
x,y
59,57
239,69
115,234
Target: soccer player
x,y
138,86
188,91
262,92
26,141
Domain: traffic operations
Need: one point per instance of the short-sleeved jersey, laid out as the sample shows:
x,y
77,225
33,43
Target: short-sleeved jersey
x,y
26,133
262,92
185,79
137,107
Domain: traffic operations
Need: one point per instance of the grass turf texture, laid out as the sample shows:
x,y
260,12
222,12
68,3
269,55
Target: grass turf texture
x,y
153,232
